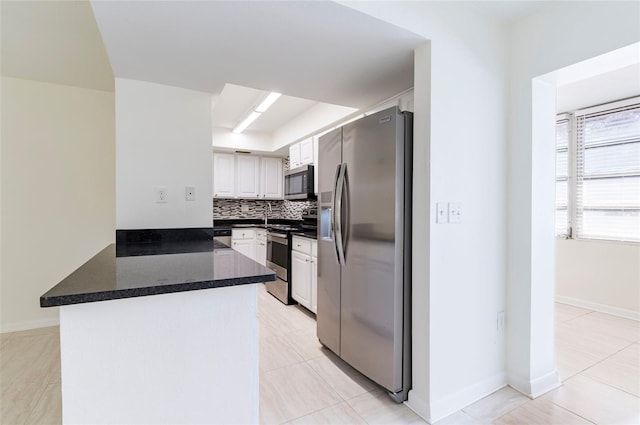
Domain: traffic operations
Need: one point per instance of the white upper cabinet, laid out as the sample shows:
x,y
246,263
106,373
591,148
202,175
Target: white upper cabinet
x,y
294,156
271,182
247,176
303,153
306,151
224,167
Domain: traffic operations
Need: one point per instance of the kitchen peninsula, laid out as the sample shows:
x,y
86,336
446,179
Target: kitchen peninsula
x,y
160,327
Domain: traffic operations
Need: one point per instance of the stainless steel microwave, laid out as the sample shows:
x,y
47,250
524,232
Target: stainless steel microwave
x,y
298,183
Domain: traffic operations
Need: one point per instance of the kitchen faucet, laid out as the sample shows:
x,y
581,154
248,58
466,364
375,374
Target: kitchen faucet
x,y
267,210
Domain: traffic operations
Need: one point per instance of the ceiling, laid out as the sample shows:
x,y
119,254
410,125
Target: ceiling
x,y
235,102
509,10
316,50
236,50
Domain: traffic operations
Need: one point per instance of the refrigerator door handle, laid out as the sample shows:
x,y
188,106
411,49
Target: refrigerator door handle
x,y
346,208
334,216
338,213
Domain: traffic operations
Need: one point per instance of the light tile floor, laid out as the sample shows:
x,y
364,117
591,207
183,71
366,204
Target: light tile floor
x,y
598,358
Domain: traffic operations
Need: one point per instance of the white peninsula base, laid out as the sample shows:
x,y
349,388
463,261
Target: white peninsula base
x,y
186,357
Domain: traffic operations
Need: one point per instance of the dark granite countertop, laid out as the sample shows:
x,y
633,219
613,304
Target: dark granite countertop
x,y
306,234
156,268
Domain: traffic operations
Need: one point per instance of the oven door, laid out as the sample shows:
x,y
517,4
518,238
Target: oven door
x,y
278,254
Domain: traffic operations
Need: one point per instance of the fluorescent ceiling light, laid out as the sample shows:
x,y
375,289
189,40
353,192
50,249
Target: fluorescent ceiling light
x,y
263,106
268,101
245,122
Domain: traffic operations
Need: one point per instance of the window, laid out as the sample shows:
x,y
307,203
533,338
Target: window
x,y
562,175
603,200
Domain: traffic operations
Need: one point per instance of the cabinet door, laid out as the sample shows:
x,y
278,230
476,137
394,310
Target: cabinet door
x,y
272,184
224,168
316,167
294,156
246,247
261,252
247,176
306,151
300,282
314,284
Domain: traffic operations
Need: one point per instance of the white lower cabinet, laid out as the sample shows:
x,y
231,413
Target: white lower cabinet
x,y
301,278
304,269
244,241
314,284
261,246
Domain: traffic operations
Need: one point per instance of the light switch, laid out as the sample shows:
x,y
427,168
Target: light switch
x,y
455,212
441,213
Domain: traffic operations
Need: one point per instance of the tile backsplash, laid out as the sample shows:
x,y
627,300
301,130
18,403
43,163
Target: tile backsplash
x,y
232,208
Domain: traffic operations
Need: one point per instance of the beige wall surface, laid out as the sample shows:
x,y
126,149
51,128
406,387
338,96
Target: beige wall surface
x,y
599,275
58,190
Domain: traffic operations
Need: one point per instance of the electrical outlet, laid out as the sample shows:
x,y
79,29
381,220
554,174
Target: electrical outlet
x,y
244,208
189,193
162,195
500,321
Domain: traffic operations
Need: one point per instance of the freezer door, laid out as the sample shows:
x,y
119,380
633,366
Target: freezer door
x,y
328,285
372,284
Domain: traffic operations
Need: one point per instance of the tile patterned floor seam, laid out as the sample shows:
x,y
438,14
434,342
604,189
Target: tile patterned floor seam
x,y
310,413
575,413
602,361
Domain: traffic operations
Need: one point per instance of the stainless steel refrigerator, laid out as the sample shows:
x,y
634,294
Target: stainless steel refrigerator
x,y
364,246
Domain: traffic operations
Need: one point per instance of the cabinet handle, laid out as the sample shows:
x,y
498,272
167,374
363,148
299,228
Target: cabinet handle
x,y
306,261
298,245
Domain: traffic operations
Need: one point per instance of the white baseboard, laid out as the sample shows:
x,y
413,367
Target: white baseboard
x,y
419,406
31,324
537,387
439,409
602,308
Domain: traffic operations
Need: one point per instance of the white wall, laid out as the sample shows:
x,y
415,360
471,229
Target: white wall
x,y
599,275
163,139
619,84
253,141
460,145
602,276
58,193
308,123
558,35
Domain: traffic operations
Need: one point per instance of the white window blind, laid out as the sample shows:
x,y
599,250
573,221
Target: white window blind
x,y
608,173
563,126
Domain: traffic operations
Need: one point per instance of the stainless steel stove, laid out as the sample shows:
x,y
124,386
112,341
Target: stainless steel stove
x,y
279,253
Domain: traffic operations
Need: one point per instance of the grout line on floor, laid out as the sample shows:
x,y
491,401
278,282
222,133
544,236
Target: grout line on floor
x,y
280,367
595,379
311,413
